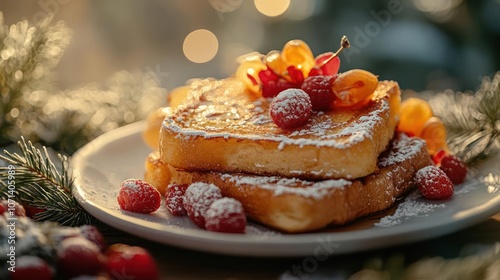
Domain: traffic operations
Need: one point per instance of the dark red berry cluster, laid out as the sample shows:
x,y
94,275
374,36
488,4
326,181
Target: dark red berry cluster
x,y
76,252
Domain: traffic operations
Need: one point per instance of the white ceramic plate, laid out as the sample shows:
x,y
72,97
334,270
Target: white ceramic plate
x,y
104,163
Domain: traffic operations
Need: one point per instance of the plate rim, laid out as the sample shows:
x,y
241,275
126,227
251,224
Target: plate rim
x,y
259,246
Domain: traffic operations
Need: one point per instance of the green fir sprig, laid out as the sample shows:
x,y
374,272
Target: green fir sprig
x,y
40,184
472,121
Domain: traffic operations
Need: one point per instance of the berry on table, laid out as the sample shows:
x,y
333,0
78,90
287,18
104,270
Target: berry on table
x,y
31,267
433,183
319,89
130,262
174,199
454,168
197,200
91,233
78,256
291,108
138,196
226,215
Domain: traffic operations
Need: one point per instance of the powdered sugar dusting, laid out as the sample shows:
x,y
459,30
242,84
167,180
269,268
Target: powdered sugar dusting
x,y
199,196
254,230
216,109
410,208
224,206
401,149
281,186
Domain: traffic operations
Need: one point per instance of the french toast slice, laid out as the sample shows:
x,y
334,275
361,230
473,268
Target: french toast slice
x,y
222,127
295,205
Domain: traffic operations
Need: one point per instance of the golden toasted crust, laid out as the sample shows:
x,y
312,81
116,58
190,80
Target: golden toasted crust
x,y
294,205
157,173
222,127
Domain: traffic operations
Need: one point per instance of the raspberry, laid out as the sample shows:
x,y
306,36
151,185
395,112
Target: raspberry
x,y
319,89
32,267
60,233
78,256
433,183
138,196
174,199
454,168
130,262
291,108
197,200
226,215
91,233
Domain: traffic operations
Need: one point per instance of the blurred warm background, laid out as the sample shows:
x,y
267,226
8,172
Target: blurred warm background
x,y
123,56
424,44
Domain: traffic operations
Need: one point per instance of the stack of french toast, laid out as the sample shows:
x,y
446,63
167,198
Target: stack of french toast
x,y
341,165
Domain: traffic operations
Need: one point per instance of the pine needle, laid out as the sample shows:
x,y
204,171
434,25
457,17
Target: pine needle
x,y
39,183
472,120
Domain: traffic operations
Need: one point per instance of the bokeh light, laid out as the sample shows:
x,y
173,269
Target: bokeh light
x,y
438,10
200,46
272,8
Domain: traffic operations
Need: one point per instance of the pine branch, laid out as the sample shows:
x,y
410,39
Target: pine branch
x,y
59,206
40,184
472,120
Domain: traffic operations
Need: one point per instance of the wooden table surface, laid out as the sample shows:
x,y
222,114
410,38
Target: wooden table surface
x,y
177,263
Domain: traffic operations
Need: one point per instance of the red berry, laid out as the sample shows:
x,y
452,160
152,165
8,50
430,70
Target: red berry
x,y
197,200
454,168
326,64
433,183
226,215
174,198
291,108
319,89
91,233
138,196
130,262
31,267
60,233
272,88
78,256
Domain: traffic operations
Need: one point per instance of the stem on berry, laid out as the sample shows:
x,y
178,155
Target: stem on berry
x,y
344,44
